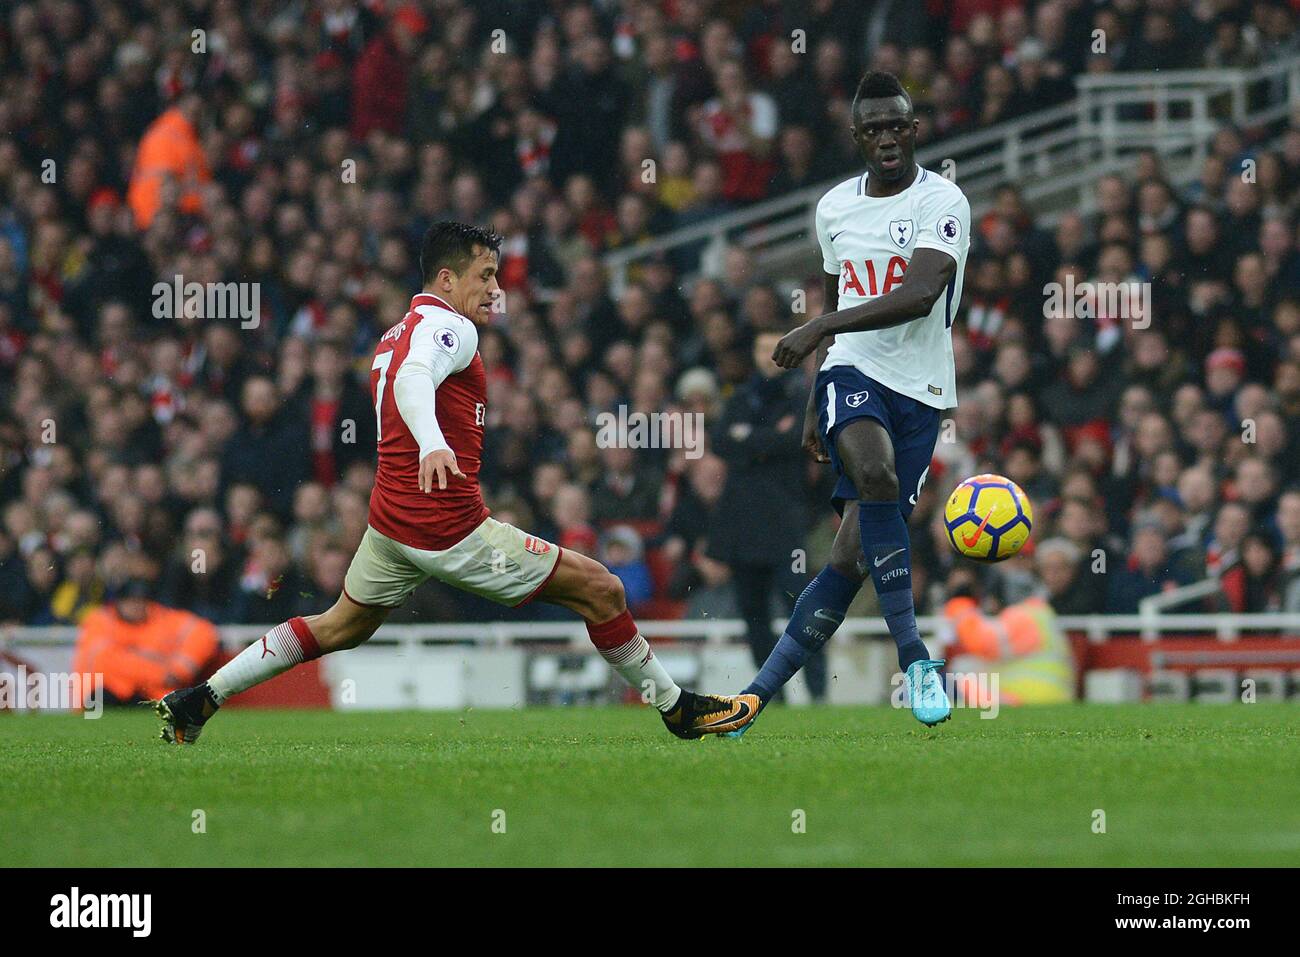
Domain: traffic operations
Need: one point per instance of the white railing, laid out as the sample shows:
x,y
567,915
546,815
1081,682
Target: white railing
x,y
781,226
1153,606
1055,156
720,631
1217,95
1182,109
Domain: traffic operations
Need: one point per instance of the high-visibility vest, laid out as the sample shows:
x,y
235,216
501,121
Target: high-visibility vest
x,y
1023,644
144,659
169,149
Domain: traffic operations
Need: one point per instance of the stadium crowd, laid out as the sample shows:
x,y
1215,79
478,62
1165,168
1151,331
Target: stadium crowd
x,y
302,148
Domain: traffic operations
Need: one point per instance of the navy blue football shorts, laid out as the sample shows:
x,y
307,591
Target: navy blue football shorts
x,y
844,394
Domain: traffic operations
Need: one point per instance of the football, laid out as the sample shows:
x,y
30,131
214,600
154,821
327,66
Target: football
x,y
988,518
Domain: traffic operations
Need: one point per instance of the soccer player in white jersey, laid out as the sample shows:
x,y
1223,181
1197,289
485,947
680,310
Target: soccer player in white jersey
x,y
427,517
893,240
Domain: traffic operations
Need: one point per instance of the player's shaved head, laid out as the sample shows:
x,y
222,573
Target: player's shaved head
x,y
452,245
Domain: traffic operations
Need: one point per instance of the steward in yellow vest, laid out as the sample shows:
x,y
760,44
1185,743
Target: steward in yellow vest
x,y
1022,643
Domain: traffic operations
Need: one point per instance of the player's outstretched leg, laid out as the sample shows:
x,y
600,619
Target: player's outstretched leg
x,y
821,607
590,589
867,451
290,643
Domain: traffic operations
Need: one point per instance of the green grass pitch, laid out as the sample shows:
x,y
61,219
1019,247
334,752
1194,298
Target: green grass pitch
x,y
1179,785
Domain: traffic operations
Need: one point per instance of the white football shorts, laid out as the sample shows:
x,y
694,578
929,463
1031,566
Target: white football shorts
x,y
496,560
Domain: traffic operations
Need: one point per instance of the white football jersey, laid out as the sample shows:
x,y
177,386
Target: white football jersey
x,y
868,241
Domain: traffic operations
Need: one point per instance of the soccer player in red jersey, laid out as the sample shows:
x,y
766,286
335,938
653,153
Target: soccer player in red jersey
x,y
428,520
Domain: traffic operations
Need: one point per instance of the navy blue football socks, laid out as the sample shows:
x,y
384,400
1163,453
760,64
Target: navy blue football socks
x,y
826,600
817,614
887,548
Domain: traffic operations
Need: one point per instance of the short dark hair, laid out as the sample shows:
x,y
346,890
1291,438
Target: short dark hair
x,y
451,244
877,84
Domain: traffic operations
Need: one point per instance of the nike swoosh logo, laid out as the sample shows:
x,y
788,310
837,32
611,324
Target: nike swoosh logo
x,y
729,719
880,561
836,236
831,617
970,540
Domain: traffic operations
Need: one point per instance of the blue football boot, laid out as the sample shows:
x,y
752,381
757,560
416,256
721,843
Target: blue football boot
x,y
925,692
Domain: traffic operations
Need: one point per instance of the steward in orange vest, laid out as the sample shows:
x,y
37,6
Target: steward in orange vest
x,y
170,155
142,648
1022,643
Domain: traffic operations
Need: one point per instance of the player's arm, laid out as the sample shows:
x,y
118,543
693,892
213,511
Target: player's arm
x,y
831,269
415,389
812,441
927,276
416,397
831,290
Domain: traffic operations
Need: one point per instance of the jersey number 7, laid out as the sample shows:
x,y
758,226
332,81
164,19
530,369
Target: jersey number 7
x,y
382,361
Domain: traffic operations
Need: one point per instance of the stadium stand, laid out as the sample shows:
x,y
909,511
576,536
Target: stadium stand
x,y
307,146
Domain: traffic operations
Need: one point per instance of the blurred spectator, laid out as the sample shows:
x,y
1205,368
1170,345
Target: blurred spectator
x,y
328,567
701,579
341,415
1147,571
1020,642
80,592
170,164
270,589
622,552
1254,584
202,578
270,451
757,528
739,127
1059,565
626,492
142,648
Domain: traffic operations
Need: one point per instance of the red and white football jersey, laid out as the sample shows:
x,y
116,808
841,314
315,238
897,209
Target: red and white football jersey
x,y
433,344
